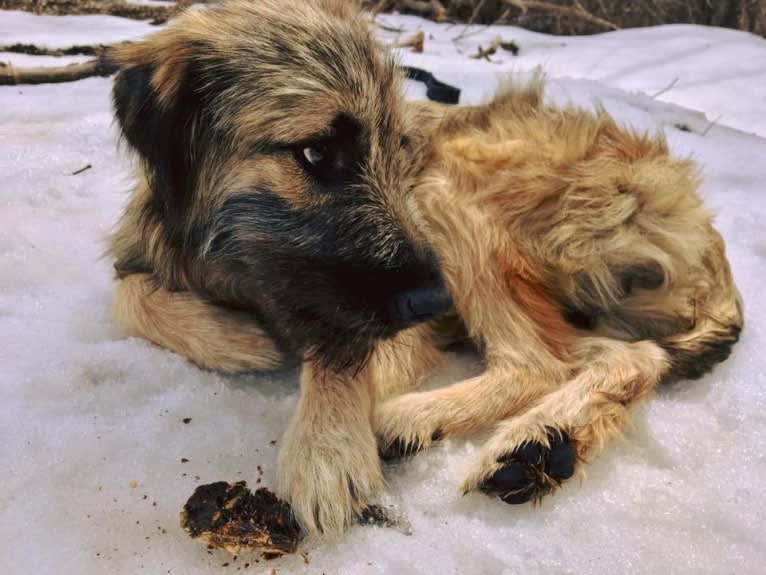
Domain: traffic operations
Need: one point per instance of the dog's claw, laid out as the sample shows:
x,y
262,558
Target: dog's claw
x,y
397,450
400,448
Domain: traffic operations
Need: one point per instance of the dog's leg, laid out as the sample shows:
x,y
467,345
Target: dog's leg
x,y
329,467
208,335
530,455
521,367
410,422
401,364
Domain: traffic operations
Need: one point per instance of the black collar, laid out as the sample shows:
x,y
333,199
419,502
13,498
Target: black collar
x,y
435,90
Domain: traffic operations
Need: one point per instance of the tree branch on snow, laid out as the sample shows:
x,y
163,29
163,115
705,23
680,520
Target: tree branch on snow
x,y
415,42
157,14
428,8
32,50
11,75
575,11
465,33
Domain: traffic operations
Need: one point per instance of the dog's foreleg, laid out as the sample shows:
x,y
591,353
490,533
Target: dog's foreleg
x,y
530,455
520,368
412,421
329,467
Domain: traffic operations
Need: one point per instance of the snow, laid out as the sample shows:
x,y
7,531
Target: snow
x,y
697,67
87,411
64,31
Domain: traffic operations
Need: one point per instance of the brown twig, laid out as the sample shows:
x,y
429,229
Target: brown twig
x,y
32,50
490,50
381,6
575,11
81,170
475,13
415,42
427,8
583,16
712,124
484,53
386,27
666,88
471,20
440,12
466,33
101,66
157,14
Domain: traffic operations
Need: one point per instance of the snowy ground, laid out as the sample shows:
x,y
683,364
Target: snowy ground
x,y
91,421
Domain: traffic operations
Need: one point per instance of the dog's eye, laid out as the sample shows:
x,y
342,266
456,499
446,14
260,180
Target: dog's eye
x,y
315,155
325,160
334,156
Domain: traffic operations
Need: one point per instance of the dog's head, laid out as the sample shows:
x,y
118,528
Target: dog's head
x,y
278,160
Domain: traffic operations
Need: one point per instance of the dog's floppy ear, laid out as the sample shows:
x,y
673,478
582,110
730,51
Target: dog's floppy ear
x,y
158,111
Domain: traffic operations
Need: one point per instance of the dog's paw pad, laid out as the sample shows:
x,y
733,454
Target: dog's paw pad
x,y
529,452
514,483
562,458
532,470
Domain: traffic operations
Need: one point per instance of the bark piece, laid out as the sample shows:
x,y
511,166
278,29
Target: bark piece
x,y
231,517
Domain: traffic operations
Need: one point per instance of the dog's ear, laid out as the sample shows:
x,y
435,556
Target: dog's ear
x,y
159,111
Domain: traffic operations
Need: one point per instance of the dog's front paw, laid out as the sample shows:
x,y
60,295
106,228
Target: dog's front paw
x,y
527,471
328,478
406,424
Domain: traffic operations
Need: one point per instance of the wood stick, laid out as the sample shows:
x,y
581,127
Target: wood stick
x,y
12,76
32,50
415,42
422,7
574,11
158,14
432,8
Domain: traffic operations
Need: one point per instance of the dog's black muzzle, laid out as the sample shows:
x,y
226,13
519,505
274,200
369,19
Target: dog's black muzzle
x,y
419,305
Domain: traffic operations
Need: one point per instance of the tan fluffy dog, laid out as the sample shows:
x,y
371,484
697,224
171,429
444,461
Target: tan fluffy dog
x,y
582,262
578,255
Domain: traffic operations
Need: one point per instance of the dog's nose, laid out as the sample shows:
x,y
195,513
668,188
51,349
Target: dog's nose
x,y
420,304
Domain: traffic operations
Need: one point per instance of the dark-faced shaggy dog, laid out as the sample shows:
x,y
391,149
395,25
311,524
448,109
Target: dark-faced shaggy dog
x,y
275,156
290,204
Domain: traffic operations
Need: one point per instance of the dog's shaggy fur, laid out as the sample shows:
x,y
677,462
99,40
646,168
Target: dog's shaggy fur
x,y
581,260
274,159
276,217
271,217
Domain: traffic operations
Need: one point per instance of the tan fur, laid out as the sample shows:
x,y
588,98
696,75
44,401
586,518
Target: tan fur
x,y
534,212
217,108
546,210
591,408
329,468
209,336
